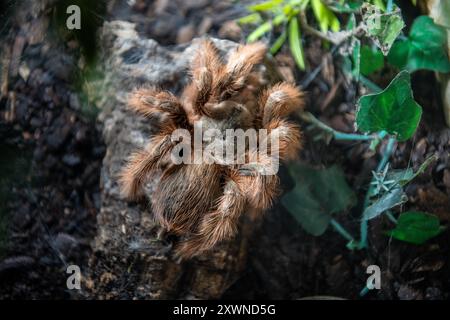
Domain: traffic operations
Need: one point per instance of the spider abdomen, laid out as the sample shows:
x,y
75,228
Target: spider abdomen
x,y
184,194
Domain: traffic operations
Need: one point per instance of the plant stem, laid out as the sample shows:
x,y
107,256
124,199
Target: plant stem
x,y
340,229
387,154
384,160
364,291
369,84
390,5
350,136
391,217
309,117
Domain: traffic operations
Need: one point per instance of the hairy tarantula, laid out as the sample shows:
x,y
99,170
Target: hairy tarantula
x,y
202,202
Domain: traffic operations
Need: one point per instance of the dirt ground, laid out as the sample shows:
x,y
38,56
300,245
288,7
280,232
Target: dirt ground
x,y
52,149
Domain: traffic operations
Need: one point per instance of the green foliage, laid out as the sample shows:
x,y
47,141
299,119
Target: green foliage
x,y
379,4
356,58
285,13
278,43
265,27
425,48
317,196
387,187
351,6
382,27
266,6
372,60
402,177
393,110
346,6
389,200
326,18
251,18
391,113
416,227
295,43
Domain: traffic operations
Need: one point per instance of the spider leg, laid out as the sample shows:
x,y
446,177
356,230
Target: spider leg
x,y
261,180
151,102
279,101
206,64
276,104
232,77
219,224
143,162
289,139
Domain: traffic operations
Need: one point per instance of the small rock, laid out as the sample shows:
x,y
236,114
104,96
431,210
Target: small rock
x,y
204,26
230,30
287,74
65,243
185,34
339,123
405,292
420,149
36,122
71,159
38,30
74,101
160,6
81,135
194,4
18,47
14,263
433,293
24,71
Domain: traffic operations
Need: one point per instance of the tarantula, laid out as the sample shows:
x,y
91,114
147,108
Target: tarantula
x,y
203,202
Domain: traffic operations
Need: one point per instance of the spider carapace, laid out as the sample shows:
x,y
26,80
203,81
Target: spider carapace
x,y
202,202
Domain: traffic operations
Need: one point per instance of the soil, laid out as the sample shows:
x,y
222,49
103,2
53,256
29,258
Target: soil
x,y
52,151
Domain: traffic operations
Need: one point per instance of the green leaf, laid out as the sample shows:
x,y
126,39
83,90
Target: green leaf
x,y
318,195
278,43
265,6
372,60
295,43
425,48
416,227
265,27
326,18
351,23
405,176
259,32
383,28
356,55
393,110
400,177
346,7
253,18
389,200
379,4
